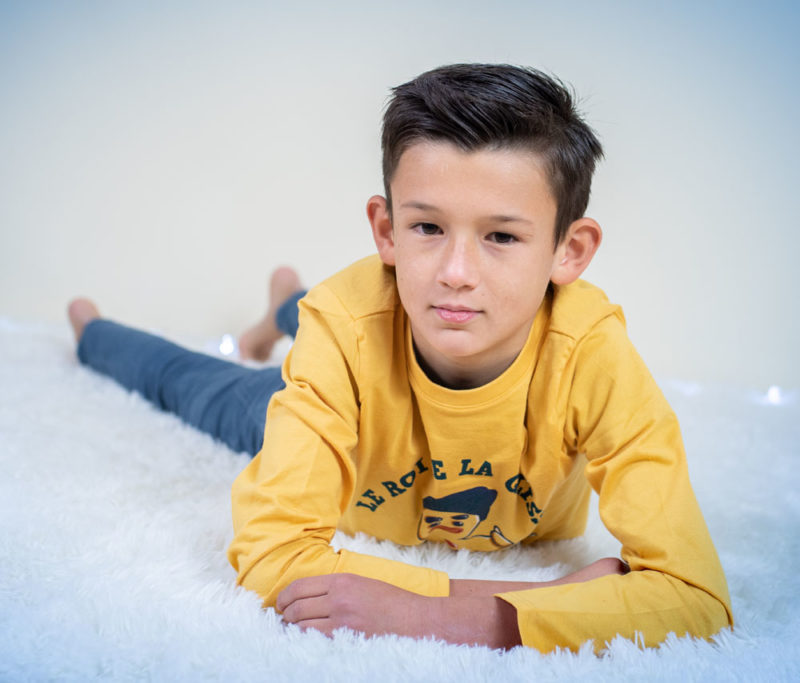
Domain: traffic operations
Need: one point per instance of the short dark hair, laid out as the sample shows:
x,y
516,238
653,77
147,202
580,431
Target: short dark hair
x,y
495,106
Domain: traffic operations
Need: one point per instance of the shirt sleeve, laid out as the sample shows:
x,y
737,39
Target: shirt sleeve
x,y
636,462
288,501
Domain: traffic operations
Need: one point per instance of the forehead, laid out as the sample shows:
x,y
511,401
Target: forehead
x,y
440,172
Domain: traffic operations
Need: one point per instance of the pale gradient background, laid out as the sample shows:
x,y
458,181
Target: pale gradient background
x,y
164,157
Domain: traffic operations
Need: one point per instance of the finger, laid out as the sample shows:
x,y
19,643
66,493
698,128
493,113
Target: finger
x,y
308,587
324,626
305,609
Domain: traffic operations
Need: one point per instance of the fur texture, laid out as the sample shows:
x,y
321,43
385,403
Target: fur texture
x,y
115,519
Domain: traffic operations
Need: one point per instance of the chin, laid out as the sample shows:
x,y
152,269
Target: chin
x,y
456,343
459,355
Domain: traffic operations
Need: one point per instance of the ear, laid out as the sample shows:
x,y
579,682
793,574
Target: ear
x,y
576,251
382,232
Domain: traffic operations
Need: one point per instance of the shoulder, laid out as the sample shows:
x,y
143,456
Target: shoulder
x,y
590,335
606,375
354,311
364,289
611,395
581,308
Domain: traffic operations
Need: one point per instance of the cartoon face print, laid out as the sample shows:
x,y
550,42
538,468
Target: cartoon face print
x,y
454,517
444,526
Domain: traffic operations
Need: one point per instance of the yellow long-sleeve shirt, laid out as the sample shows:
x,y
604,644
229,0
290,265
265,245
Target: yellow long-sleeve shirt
x,y
361,440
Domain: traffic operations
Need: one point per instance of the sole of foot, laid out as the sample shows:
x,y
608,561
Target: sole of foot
x,y
81,312
257,342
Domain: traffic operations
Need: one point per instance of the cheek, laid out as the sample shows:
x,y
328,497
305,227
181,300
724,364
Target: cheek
x,y
408,284
538,276
523,296
401,277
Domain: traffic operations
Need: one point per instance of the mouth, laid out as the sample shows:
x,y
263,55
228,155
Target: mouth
x,y
448,529
455,314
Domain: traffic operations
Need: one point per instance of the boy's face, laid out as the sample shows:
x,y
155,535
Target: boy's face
x,y
471,239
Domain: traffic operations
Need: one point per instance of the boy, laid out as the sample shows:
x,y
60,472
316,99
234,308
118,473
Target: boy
x,y
465,387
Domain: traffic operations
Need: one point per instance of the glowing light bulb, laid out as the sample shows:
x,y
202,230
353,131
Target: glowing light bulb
x,y
228,345
774,395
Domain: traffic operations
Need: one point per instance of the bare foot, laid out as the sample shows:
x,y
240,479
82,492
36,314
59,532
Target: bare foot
x,y
257,342
81,312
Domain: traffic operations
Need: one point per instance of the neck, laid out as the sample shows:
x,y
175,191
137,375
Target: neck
x,y
453,375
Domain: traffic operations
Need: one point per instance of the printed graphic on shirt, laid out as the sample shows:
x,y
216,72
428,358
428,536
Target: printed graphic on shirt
x,y
460,516
457,517
372,499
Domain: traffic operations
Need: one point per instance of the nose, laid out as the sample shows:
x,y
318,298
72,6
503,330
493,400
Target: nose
x,y
460,267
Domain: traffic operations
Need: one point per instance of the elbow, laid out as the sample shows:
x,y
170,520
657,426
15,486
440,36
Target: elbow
x,y
696,611
255,574
268,572
710,614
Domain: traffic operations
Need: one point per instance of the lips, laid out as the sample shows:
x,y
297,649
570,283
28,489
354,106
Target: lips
x,y
455,314
448,529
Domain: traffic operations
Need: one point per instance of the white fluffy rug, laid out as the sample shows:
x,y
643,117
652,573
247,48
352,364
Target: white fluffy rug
x,y
115,519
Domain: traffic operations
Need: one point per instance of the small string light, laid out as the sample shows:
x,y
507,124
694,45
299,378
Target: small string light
x,y
227,346
774,395
777,396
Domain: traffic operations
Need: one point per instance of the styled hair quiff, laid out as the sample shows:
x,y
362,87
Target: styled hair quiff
x,y
497,106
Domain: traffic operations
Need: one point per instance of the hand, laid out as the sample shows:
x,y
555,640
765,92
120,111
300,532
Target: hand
x,y
373,607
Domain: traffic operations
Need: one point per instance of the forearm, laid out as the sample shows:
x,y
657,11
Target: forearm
x,y
290,562
485,621
497,627
568,611
644,605
470,588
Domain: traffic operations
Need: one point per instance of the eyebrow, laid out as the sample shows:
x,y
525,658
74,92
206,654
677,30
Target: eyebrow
x,y
499,218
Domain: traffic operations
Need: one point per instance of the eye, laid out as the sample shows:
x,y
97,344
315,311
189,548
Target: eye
x,y
427,228
501,238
